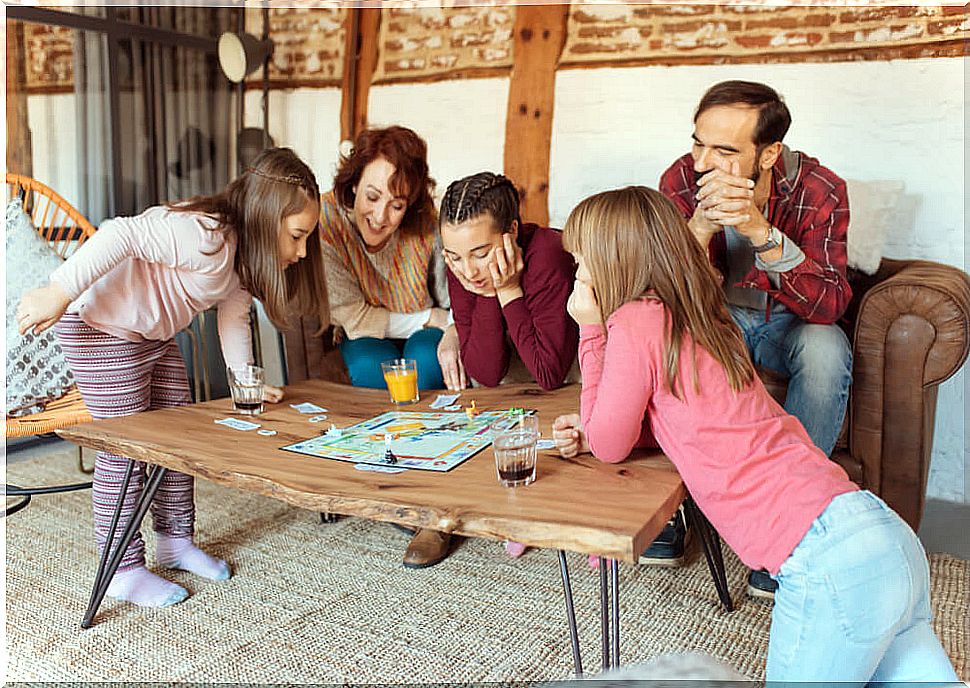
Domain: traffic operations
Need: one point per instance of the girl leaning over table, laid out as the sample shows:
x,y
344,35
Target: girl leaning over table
x,y
664,364
121,298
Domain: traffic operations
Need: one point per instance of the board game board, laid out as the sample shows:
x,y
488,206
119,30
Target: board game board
x,y
421,440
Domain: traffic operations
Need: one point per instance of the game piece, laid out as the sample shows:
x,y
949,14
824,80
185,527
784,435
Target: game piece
x,y
334,432
471,411
388,454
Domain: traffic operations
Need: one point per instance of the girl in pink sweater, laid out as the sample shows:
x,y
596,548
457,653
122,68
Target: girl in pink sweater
x,y
121,298
664,365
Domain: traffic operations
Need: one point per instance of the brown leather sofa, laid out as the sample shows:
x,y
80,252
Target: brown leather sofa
x,y
910,330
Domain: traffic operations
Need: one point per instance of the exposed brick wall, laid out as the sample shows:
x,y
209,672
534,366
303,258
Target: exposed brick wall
x,y
309,43
435,41
694,32
430,42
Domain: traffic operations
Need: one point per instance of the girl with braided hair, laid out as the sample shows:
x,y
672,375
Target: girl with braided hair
x,y
509,283
121,298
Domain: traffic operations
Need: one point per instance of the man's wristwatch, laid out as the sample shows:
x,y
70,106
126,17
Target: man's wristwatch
x,y
773,240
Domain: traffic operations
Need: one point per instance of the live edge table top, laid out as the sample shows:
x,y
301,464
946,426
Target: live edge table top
x,y
579,505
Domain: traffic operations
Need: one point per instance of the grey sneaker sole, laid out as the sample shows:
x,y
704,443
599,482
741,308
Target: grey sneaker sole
x,y
670,562
760,594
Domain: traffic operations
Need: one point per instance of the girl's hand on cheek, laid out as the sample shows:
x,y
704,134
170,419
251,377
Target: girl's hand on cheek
x,y
582,306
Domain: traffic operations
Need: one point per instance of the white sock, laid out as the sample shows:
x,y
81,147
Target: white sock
x,y
181,553
142,587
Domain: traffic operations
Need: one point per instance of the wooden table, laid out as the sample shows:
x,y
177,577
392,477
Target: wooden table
x,y
581,505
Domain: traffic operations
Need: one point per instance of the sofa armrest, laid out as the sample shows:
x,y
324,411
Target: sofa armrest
x,y
912,332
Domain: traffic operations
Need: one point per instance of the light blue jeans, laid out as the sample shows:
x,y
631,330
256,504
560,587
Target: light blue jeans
x,y
817,359
363,358
853,601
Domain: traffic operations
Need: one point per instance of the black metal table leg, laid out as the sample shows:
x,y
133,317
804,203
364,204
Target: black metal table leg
x,y
110,559
327,517
711,544
570,613
604,613
615,616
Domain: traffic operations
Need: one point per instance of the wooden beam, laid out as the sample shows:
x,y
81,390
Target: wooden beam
x,y
360,61
538,39
19,157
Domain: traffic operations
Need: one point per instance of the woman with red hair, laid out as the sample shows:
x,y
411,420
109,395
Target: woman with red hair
x,y
385,278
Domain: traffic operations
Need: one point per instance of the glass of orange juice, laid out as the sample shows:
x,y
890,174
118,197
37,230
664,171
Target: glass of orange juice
x,y
401,376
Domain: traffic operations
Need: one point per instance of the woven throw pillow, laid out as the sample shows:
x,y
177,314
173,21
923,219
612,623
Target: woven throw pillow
x,y
873,207
36,369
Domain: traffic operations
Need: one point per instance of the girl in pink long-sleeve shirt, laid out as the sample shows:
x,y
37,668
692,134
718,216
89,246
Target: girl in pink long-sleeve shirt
x,y
664,365
121,298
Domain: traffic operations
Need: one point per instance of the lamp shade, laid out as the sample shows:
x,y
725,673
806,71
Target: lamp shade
x,y
240,54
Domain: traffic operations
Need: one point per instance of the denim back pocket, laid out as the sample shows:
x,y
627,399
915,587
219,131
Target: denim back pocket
x,y
871,599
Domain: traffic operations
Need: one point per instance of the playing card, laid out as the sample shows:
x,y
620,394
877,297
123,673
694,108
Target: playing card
x,y
444,400
378,469
237,424
307,407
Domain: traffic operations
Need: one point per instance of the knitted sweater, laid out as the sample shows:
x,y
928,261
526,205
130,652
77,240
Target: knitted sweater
x,y
368,290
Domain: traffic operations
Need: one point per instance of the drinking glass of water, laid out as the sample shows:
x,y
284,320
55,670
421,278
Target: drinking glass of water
x,y
246,387
515,451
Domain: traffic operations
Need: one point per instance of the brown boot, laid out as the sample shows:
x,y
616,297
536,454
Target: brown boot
x,y
426,548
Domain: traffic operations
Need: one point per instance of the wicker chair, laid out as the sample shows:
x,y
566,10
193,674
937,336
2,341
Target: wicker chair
x,y
65,229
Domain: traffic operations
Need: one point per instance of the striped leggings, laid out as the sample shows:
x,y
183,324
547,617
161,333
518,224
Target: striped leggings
x,y
119,378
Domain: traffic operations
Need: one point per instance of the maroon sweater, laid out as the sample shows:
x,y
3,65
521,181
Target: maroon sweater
x,y
537,324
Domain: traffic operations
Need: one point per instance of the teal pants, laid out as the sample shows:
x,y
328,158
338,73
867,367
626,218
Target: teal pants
x,y
363,358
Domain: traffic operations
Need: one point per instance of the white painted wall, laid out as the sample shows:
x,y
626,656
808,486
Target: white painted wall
x,y
304,119
462,121
53,121
900,120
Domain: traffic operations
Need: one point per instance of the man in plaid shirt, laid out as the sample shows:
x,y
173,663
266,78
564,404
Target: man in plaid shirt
x,y
774,223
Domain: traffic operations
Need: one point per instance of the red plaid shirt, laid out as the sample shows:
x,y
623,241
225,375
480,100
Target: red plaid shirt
x,y
810,206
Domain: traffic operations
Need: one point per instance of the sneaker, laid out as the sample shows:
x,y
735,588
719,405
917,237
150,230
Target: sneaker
x,y
669,547
761,585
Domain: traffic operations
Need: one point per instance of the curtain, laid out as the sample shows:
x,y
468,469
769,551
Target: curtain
x,y
95,194
175,111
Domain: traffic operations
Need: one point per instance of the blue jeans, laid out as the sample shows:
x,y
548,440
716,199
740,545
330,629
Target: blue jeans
x,y
363,358
817,359
853,601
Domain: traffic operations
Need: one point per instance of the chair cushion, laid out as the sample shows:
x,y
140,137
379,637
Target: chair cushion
x,y
36,369
874,207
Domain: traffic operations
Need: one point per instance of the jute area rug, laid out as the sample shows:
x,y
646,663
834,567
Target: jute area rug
x,y
314,603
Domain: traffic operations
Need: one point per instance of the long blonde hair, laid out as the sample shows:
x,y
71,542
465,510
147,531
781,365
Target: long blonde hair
x,y
277,184
636,245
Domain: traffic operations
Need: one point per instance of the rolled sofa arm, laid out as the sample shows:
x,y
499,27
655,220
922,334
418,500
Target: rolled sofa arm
x,y
912,332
